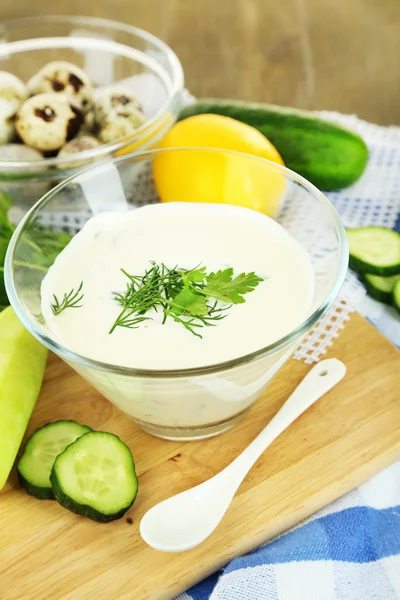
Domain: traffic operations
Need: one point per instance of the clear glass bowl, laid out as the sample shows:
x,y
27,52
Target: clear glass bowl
x,y
190,403
108,52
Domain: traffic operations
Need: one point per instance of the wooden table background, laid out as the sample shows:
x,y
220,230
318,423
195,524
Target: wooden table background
x,y
339,55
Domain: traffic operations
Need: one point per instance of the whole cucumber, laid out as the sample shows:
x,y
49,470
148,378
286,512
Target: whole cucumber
x,y
328,155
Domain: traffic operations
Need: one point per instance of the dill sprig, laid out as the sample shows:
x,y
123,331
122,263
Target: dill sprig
x,y
182,295
69,300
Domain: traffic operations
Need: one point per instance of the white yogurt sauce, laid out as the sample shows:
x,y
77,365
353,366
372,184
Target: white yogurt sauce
x,y
183,234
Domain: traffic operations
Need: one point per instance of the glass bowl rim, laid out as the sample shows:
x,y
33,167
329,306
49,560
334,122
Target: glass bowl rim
x,y
279,344
177,86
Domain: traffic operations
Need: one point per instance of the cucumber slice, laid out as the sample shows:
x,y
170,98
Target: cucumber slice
x,y
396,295
374,250
40,452
95,477
22,364
380,288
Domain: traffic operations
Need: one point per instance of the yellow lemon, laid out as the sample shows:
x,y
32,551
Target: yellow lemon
x,y
218,177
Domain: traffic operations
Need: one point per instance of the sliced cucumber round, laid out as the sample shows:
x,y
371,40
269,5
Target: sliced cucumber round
x,y
396,295
380,288
374,250
95,477
41,449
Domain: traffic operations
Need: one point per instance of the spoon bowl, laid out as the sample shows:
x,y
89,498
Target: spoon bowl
x,y
191,517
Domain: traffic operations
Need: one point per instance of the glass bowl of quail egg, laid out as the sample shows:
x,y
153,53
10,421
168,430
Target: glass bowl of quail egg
x,y
75,90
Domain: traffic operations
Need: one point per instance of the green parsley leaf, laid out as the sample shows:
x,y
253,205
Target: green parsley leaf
x,y
195,275
189,301
222,286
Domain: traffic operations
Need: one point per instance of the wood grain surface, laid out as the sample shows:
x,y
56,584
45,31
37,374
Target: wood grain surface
x,y
319,54
354,431
315,54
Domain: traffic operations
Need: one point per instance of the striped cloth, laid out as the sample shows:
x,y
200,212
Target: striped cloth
x,y
351,549
348,551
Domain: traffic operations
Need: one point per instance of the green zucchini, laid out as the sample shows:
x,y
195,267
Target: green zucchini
x,y
95,477
329,155
380,288
396,295
22,364
374,250
41,449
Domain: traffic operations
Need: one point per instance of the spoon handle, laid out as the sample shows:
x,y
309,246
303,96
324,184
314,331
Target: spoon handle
x,y
320,379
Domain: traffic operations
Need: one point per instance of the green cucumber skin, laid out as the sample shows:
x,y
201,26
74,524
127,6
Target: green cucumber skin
x,y
328,155
83,509
379,295
396,296
363,267
41,493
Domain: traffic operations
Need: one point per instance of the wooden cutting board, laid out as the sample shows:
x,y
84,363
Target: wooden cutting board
x,y
353,432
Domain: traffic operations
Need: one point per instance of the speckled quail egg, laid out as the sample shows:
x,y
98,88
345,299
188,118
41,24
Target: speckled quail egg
x,y
47,121
117,125
79,144
117,113
19,152
12,94
114,98
62,77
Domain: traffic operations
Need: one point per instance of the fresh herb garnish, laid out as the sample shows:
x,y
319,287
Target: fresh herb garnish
x,y
70,300
223,286
182,295
37,248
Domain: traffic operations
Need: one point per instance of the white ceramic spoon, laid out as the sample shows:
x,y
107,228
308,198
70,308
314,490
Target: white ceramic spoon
x,y
187,519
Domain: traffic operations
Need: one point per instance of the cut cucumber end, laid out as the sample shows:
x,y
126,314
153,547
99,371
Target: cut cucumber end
x,y
95,477
380,288
396,295
40,451
374,250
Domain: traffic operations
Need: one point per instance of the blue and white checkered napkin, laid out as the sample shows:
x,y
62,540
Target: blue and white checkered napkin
x,y
351,549
348,551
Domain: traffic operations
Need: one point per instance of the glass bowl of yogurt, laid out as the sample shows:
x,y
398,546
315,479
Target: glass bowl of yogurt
x,y
181,312
110,54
